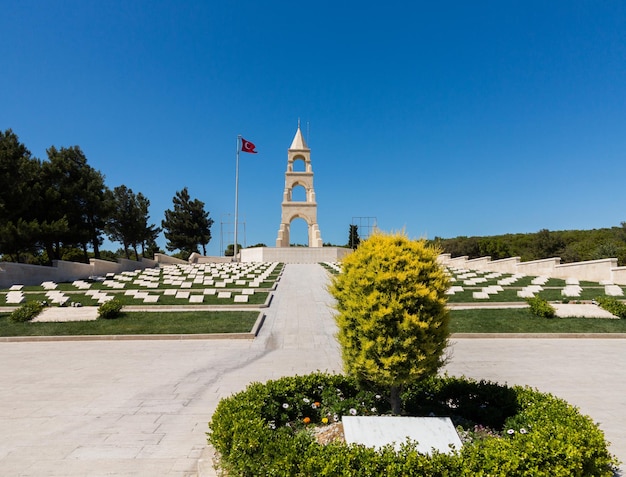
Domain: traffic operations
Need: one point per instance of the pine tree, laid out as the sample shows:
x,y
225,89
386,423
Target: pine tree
x,y
188,225
353,237
129,220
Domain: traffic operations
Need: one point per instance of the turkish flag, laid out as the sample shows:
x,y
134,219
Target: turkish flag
x,y
247,146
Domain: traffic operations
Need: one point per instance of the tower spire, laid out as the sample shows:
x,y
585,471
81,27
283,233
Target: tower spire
x,y
298,142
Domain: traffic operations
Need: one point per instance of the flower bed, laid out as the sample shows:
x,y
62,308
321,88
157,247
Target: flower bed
x,y
271,428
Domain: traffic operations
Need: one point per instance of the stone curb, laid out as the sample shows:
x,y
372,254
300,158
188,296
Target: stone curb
x,y
261,319
539,335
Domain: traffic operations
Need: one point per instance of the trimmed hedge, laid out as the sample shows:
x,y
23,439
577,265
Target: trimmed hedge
x,y
612,305
110,310
26,312
541,307
507,431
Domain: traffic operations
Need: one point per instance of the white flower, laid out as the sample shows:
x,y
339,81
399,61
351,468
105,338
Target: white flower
x,y
335,418
285,405
378,396
374,410
510,432
353,411
523,431
272,425
306,400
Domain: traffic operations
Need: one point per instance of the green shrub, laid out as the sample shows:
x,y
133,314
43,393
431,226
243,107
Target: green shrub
x,y
110,310
26,312
515,431
613,306
540,307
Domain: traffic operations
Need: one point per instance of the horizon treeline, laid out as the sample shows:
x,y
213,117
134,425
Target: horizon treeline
x,y
569,245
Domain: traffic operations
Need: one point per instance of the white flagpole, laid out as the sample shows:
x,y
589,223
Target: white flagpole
x,y
236,199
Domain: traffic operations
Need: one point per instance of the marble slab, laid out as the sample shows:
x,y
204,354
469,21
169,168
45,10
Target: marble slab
x,y
377,431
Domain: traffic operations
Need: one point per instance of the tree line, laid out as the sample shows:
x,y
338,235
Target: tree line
x,y
61,208
569,245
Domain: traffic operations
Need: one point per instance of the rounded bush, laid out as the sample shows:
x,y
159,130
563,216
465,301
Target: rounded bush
x,y
540,307
267,429
26,312
110,310
613,306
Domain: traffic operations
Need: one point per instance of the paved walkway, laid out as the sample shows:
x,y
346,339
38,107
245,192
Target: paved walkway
x,y
140,408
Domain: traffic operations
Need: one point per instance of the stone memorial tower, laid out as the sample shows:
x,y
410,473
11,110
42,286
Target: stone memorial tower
x,y
307,209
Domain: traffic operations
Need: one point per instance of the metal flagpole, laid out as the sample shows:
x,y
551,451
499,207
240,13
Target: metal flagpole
x,y
236,199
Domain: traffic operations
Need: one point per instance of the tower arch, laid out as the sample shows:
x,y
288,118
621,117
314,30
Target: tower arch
x,y
296,177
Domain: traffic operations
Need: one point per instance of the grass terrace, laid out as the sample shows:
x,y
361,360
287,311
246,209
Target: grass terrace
x,y
489,287
205,284
136,323
521,320
242,285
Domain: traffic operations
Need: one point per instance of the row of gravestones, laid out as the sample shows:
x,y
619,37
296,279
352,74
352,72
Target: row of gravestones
x,y
16,295
194,298
187,276
572,287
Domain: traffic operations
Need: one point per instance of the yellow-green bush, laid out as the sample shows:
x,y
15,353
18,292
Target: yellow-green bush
x,y
392,318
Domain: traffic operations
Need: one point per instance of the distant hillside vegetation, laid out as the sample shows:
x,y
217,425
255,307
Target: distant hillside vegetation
x,y
570,245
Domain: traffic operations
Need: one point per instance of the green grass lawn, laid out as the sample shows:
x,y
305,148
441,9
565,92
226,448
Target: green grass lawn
x,y
520,320
134,323
513,320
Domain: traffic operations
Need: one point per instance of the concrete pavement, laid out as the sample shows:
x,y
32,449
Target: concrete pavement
x,y
141,407
588,373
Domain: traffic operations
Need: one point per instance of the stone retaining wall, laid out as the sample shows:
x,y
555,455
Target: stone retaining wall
x,y
293,254
61,271
604,270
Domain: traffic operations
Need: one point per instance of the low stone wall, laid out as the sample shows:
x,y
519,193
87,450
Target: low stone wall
x,y
593,270
457,262
161,258
23,274
481,263
293,254
197,258
62,271
544,268
605,270
505,265
619,275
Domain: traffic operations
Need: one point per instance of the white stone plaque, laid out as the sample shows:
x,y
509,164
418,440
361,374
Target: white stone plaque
x,y
377,431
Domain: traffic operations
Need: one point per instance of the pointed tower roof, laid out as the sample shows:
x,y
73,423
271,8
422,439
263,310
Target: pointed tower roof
x,y
298,141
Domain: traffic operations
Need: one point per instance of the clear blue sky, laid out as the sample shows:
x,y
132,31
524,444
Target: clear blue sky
x,y
444,118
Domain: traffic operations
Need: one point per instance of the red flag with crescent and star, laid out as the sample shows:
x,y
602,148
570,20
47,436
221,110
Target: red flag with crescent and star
x,y
247,146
